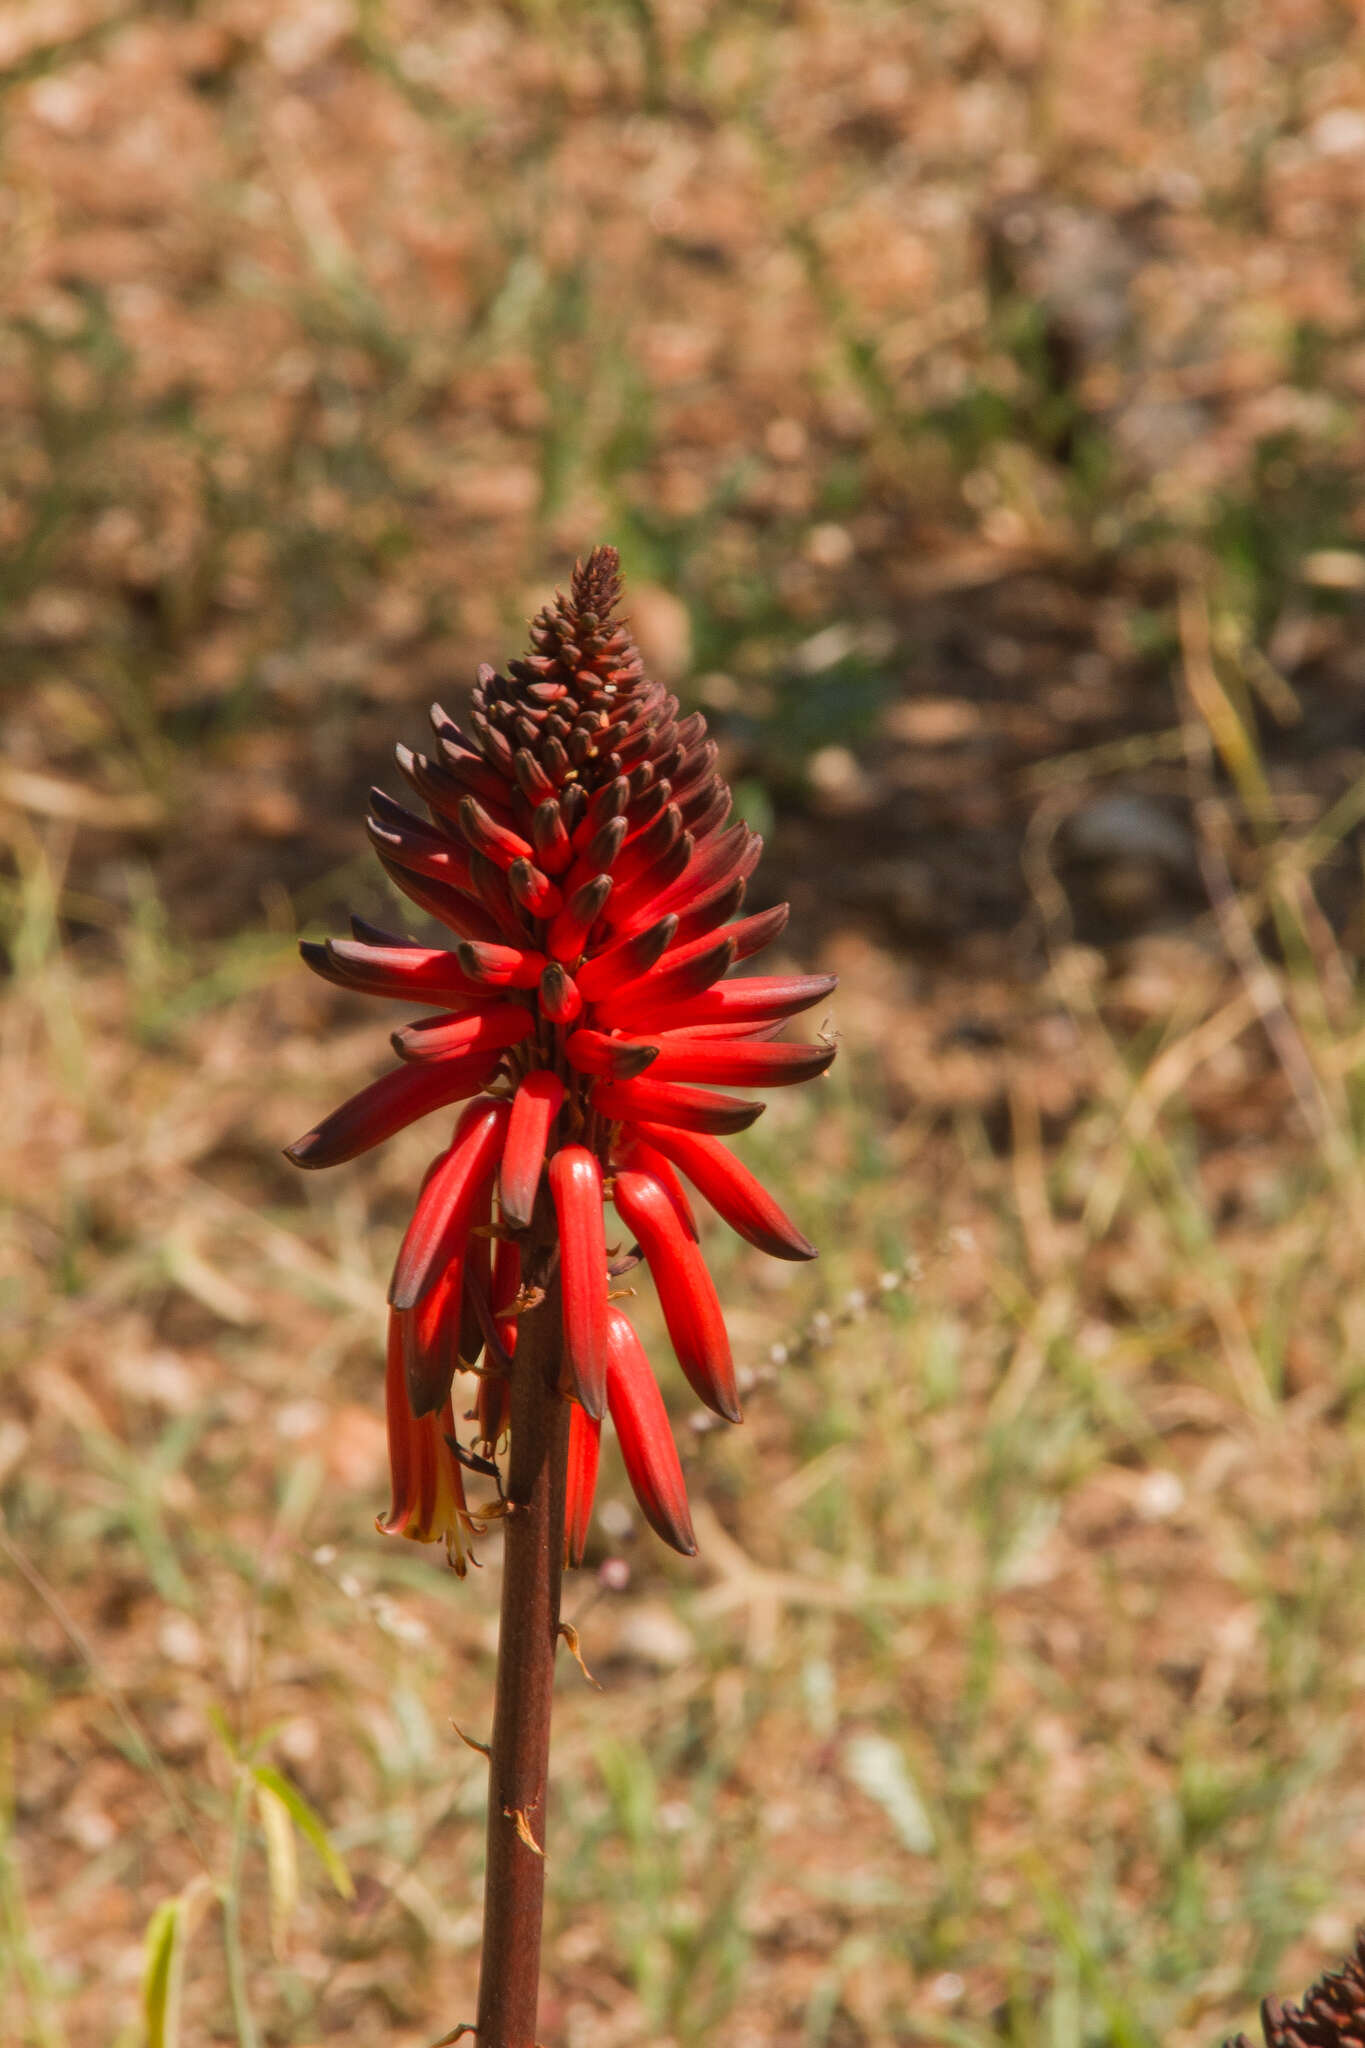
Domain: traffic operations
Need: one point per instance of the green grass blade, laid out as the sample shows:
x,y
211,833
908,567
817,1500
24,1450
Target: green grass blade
x,y
163,1976
308,1823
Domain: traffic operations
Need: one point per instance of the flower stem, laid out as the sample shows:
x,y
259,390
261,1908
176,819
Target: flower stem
x,y
533,1562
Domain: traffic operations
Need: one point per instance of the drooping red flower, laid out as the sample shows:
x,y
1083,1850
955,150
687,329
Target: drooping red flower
x,y
579,851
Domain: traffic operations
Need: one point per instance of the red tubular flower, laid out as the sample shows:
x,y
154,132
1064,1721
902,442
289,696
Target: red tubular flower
x,y
585,1447
436,1236
691,1109
729,1187
534,1109
576,1186
491,1407
450,1037
686,1292
578,850
430,1334
634,1152
648,1451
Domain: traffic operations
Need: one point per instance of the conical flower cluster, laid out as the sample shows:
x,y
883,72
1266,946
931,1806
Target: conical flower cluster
x,y
578,850
1332,2014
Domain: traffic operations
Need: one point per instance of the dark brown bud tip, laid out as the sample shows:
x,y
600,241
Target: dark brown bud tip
x,y
375,935
300,1153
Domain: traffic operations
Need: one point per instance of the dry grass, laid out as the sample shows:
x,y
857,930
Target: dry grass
x,y
971,391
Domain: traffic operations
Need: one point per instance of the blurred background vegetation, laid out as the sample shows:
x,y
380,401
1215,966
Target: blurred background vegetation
x,y
973,389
